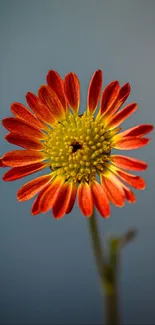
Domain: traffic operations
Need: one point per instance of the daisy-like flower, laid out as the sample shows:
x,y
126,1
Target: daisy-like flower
x,y
75,149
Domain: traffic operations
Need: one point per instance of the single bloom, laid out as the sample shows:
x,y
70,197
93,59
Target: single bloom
x,y
75,149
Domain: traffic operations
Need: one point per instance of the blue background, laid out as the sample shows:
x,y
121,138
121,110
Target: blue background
x,y
47,272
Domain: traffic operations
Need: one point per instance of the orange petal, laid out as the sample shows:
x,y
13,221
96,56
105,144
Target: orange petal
x,y
31,188
128,162
122,96
72,90
25,142
122,188
19,172
121,116
50,98
61,203
18,158
113,192
40,110
50,194
85,202
22,113
20,127
129,195
133,180
115,180
94,91
36,204
1,163
137,131
72,198
100,199
129,143
109,96
56,83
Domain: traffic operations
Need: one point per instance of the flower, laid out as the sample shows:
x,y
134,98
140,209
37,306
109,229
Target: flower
x,y
77,149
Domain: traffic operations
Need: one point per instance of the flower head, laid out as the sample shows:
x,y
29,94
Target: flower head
x,y
75,149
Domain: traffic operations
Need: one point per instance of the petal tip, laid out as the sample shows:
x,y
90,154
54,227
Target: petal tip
x,y
127,85
18,198
94,91
143,186
2,163
57,216
150,128
34,213
4,178
72,90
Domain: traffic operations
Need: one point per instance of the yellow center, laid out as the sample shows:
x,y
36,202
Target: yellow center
x,y
78,147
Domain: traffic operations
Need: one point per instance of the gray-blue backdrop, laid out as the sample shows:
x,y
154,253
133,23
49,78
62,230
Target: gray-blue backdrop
x,y
47,272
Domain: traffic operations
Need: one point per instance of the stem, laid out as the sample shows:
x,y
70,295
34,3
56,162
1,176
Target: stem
x,y
112,308
111,296
96,243
107,272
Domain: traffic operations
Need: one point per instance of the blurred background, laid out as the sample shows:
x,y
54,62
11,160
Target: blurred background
x,y
47,272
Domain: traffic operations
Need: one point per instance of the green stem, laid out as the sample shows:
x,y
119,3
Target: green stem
x,y
107,273
112,314
96,243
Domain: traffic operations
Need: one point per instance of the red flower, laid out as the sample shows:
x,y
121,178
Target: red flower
x,y
75,148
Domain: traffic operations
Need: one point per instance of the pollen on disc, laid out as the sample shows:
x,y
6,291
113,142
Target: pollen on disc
x,y
78,148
